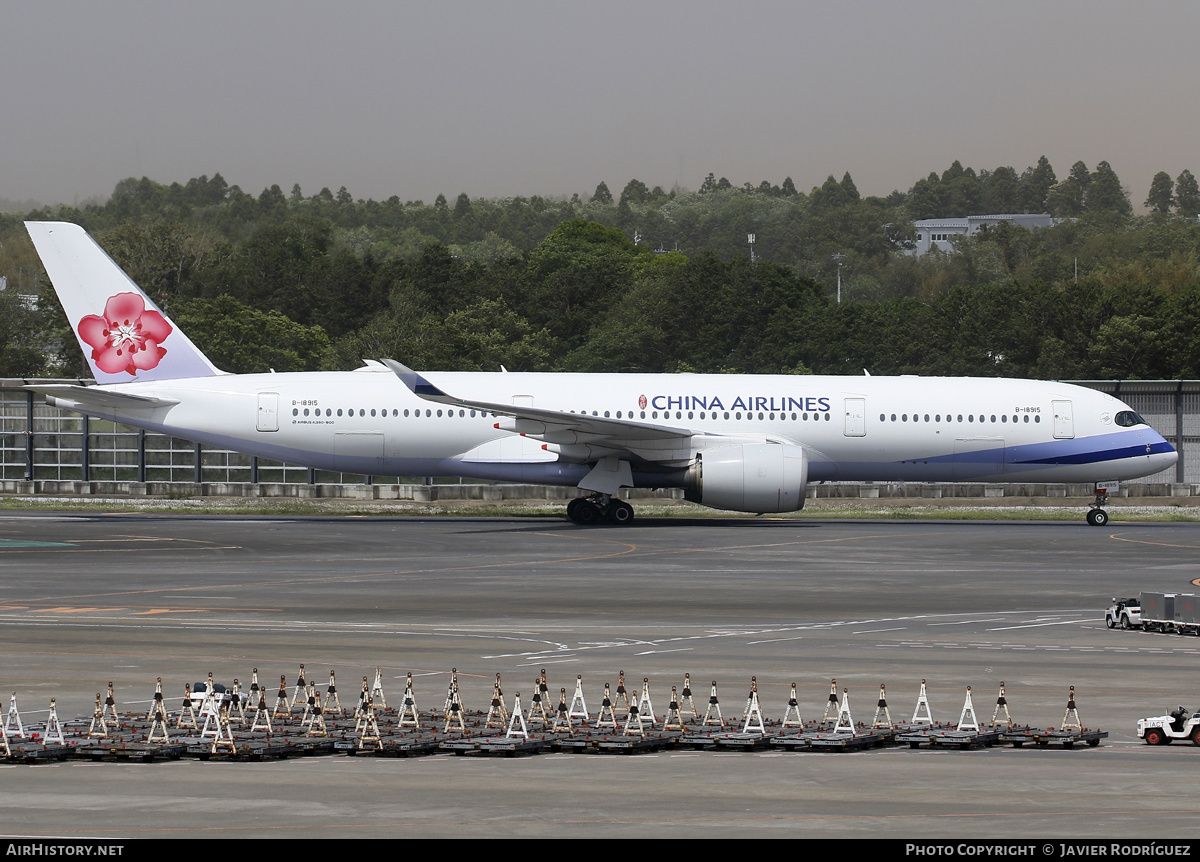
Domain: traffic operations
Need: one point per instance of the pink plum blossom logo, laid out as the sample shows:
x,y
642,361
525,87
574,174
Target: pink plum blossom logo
x,y
127,337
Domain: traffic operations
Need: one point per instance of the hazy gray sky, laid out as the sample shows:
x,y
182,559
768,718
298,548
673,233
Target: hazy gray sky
x,y
498,98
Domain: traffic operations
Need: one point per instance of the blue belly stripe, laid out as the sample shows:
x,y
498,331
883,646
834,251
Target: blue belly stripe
x,y
1091,457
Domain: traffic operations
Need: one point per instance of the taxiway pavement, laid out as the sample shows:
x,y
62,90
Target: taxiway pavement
x,y
126,597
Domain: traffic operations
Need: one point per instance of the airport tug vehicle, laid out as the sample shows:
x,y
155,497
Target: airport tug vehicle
x,y
1161,729
1126,613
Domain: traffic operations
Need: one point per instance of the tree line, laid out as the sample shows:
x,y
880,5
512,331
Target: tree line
x,y
651,279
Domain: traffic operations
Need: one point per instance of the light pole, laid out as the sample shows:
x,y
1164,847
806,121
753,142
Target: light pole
x,y
838,258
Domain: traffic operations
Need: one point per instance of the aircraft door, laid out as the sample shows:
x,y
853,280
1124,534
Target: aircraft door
x,y
268,411
856,417
1064,422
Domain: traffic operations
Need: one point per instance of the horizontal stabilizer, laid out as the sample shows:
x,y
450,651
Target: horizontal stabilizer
x,y
92,399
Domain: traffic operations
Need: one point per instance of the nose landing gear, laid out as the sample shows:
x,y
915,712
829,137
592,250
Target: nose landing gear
x,y
1096,515
599,508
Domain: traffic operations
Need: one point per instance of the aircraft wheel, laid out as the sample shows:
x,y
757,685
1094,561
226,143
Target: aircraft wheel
x,y
585,512
1097,517
620,513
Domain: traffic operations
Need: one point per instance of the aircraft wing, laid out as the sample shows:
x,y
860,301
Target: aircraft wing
x,y
91,399
574,436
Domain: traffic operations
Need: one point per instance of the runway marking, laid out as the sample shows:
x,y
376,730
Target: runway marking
x,y
1041,625
153,611
1036,647
1120,538
967,622
70,610
24,543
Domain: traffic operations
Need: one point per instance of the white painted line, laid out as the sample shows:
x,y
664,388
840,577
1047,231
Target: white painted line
x,y
1042,625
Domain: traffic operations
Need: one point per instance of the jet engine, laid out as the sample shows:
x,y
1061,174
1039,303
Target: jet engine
x,y
757,477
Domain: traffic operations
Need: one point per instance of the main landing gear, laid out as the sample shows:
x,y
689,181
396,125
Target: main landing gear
x,y
599,508
1096,515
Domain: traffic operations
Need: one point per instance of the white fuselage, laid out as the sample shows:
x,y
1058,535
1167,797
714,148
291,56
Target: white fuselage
x,y
851,428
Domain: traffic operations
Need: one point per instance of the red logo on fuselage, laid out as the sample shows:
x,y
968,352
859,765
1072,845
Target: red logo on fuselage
x,y
642,401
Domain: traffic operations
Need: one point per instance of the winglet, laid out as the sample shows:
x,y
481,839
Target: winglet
x,y
416,384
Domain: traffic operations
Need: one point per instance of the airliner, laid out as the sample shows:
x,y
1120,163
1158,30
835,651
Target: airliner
x,y
735,442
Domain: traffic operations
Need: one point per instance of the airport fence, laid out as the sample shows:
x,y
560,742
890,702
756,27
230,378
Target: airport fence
x,y
40,442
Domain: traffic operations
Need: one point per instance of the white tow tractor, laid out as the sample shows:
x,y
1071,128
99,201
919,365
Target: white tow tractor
x,y
1126,613
1161,729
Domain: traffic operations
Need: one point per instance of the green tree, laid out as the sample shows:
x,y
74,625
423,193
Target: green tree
x,y
1187,195
574,273
242,339
462,206
24,337
1126,347
849,188
1069,197
602,195
1001,192
1161,197
164,257
635,192
1036,183
1105,194
489,334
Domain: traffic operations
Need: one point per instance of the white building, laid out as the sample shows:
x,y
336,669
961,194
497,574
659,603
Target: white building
x,y
939,232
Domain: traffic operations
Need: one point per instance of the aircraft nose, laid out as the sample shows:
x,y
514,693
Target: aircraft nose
x,y
1162,454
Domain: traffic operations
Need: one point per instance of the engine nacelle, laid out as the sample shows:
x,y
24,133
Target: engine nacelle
x,y
756,477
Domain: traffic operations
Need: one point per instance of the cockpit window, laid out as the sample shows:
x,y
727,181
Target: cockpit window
x,y
1127,419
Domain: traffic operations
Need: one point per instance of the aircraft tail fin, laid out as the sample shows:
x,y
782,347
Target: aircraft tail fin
x,y
122,333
